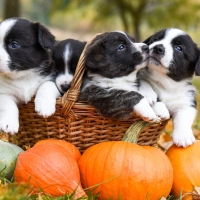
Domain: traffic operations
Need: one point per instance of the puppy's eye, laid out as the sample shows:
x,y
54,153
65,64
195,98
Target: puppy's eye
x,y
14,45
179,48
121,47
155,39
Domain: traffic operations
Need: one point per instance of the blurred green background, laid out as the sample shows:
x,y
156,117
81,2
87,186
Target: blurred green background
x,y
80,19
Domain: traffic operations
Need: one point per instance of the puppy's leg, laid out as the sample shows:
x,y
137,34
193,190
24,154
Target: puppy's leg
x,y
147,92
117,103
9,114
161,110
182,120
45,100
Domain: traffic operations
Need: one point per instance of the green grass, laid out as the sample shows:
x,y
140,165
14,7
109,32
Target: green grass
x,y
10,190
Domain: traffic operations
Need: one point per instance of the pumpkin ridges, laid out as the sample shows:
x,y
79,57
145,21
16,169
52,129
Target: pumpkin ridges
x,y
121,171
164,168
130,176
47,165
83,167
186,165
50,182
103,175
67,145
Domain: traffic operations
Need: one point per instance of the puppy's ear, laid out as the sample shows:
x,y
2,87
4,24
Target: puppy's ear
x,y
197,67
95,54
147,41
45,38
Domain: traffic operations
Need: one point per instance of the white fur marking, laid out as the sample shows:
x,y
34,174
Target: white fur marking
x,y
45,100
5,26
9,121
65,78
166,42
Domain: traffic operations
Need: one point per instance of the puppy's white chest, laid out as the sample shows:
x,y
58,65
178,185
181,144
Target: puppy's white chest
x,y
121,83
22,89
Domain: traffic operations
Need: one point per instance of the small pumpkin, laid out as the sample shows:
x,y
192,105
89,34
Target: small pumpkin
x,y
68,146
51,168
125,170
8,156
186,167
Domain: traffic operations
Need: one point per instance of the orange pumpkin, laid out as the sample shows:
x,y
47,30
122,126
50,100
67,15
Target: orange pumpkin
x,y
68,146
126,171
186,167
51,168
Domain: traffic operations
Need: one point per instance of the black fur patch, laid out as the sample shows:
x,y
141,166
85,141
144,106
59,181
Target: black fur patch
x,y
117,104
183,64
104,58
33,52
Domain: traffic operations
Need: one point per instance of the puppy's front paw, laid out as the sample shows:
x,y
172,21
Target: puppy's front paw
x,y
9,125
45,107
149,95
183,138
161,110
144,110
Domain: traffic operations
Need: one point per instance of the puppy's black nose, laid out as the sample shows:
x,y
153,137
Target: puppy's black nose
x,y
159,49
145,48
65,87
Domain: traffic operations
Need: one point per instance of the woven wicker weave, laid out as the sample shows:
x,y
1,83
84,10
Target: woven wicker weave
x,y
78,122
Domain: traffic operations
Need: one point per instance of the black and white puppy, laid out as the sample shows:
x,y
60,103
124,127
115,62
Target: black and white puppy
x,y
173,59
66,54
26,68
112,61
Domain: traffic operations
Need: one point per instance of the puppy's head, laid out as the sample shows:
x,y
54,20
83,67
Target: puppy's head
x,y
115,54
24,45
172,52
66,54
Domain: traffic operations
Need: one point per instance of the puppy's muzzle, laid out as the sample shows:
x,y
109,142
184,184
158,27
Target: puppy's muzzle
x,y
159,49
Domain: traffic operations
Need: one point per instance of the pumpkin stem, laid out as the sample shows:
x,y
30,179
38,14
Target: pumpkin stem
x,y
133,132
196,193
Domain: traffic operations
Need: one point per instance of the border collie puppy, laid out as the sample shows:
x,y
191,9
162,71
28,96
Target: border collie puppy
x,y
26,68
112,61
173,59
66,54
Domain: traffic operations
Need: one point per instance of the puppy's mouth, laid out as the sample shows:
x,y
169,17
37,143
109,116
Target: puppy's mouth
x,y
145,59
154,60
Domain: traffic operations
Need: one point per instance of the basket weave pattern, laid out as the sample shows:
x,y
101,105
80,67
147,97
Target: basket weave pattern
x,y
78,122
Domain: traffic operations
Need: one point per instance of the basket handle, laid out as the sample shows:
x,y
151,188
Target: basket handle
x,y
133,132
71,96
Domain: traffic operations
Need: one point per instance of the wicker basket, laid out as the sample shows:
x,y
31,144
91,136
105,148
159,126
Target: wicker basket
x,y
78,122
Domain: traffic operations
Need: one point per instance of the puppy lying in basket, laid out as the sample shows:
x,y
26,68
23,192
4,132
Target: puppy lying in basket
x,y
112,61
26,70
173,59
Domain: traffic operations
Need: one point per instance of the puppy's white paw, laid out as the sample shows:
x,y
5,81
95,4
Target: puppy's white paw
x,y
183,138
144,110
161,110
9,125
45,107
151,97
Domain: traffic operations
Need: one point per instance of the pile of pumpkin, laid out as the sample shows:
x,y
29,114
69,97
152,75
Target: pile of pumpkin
x,y
118,169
